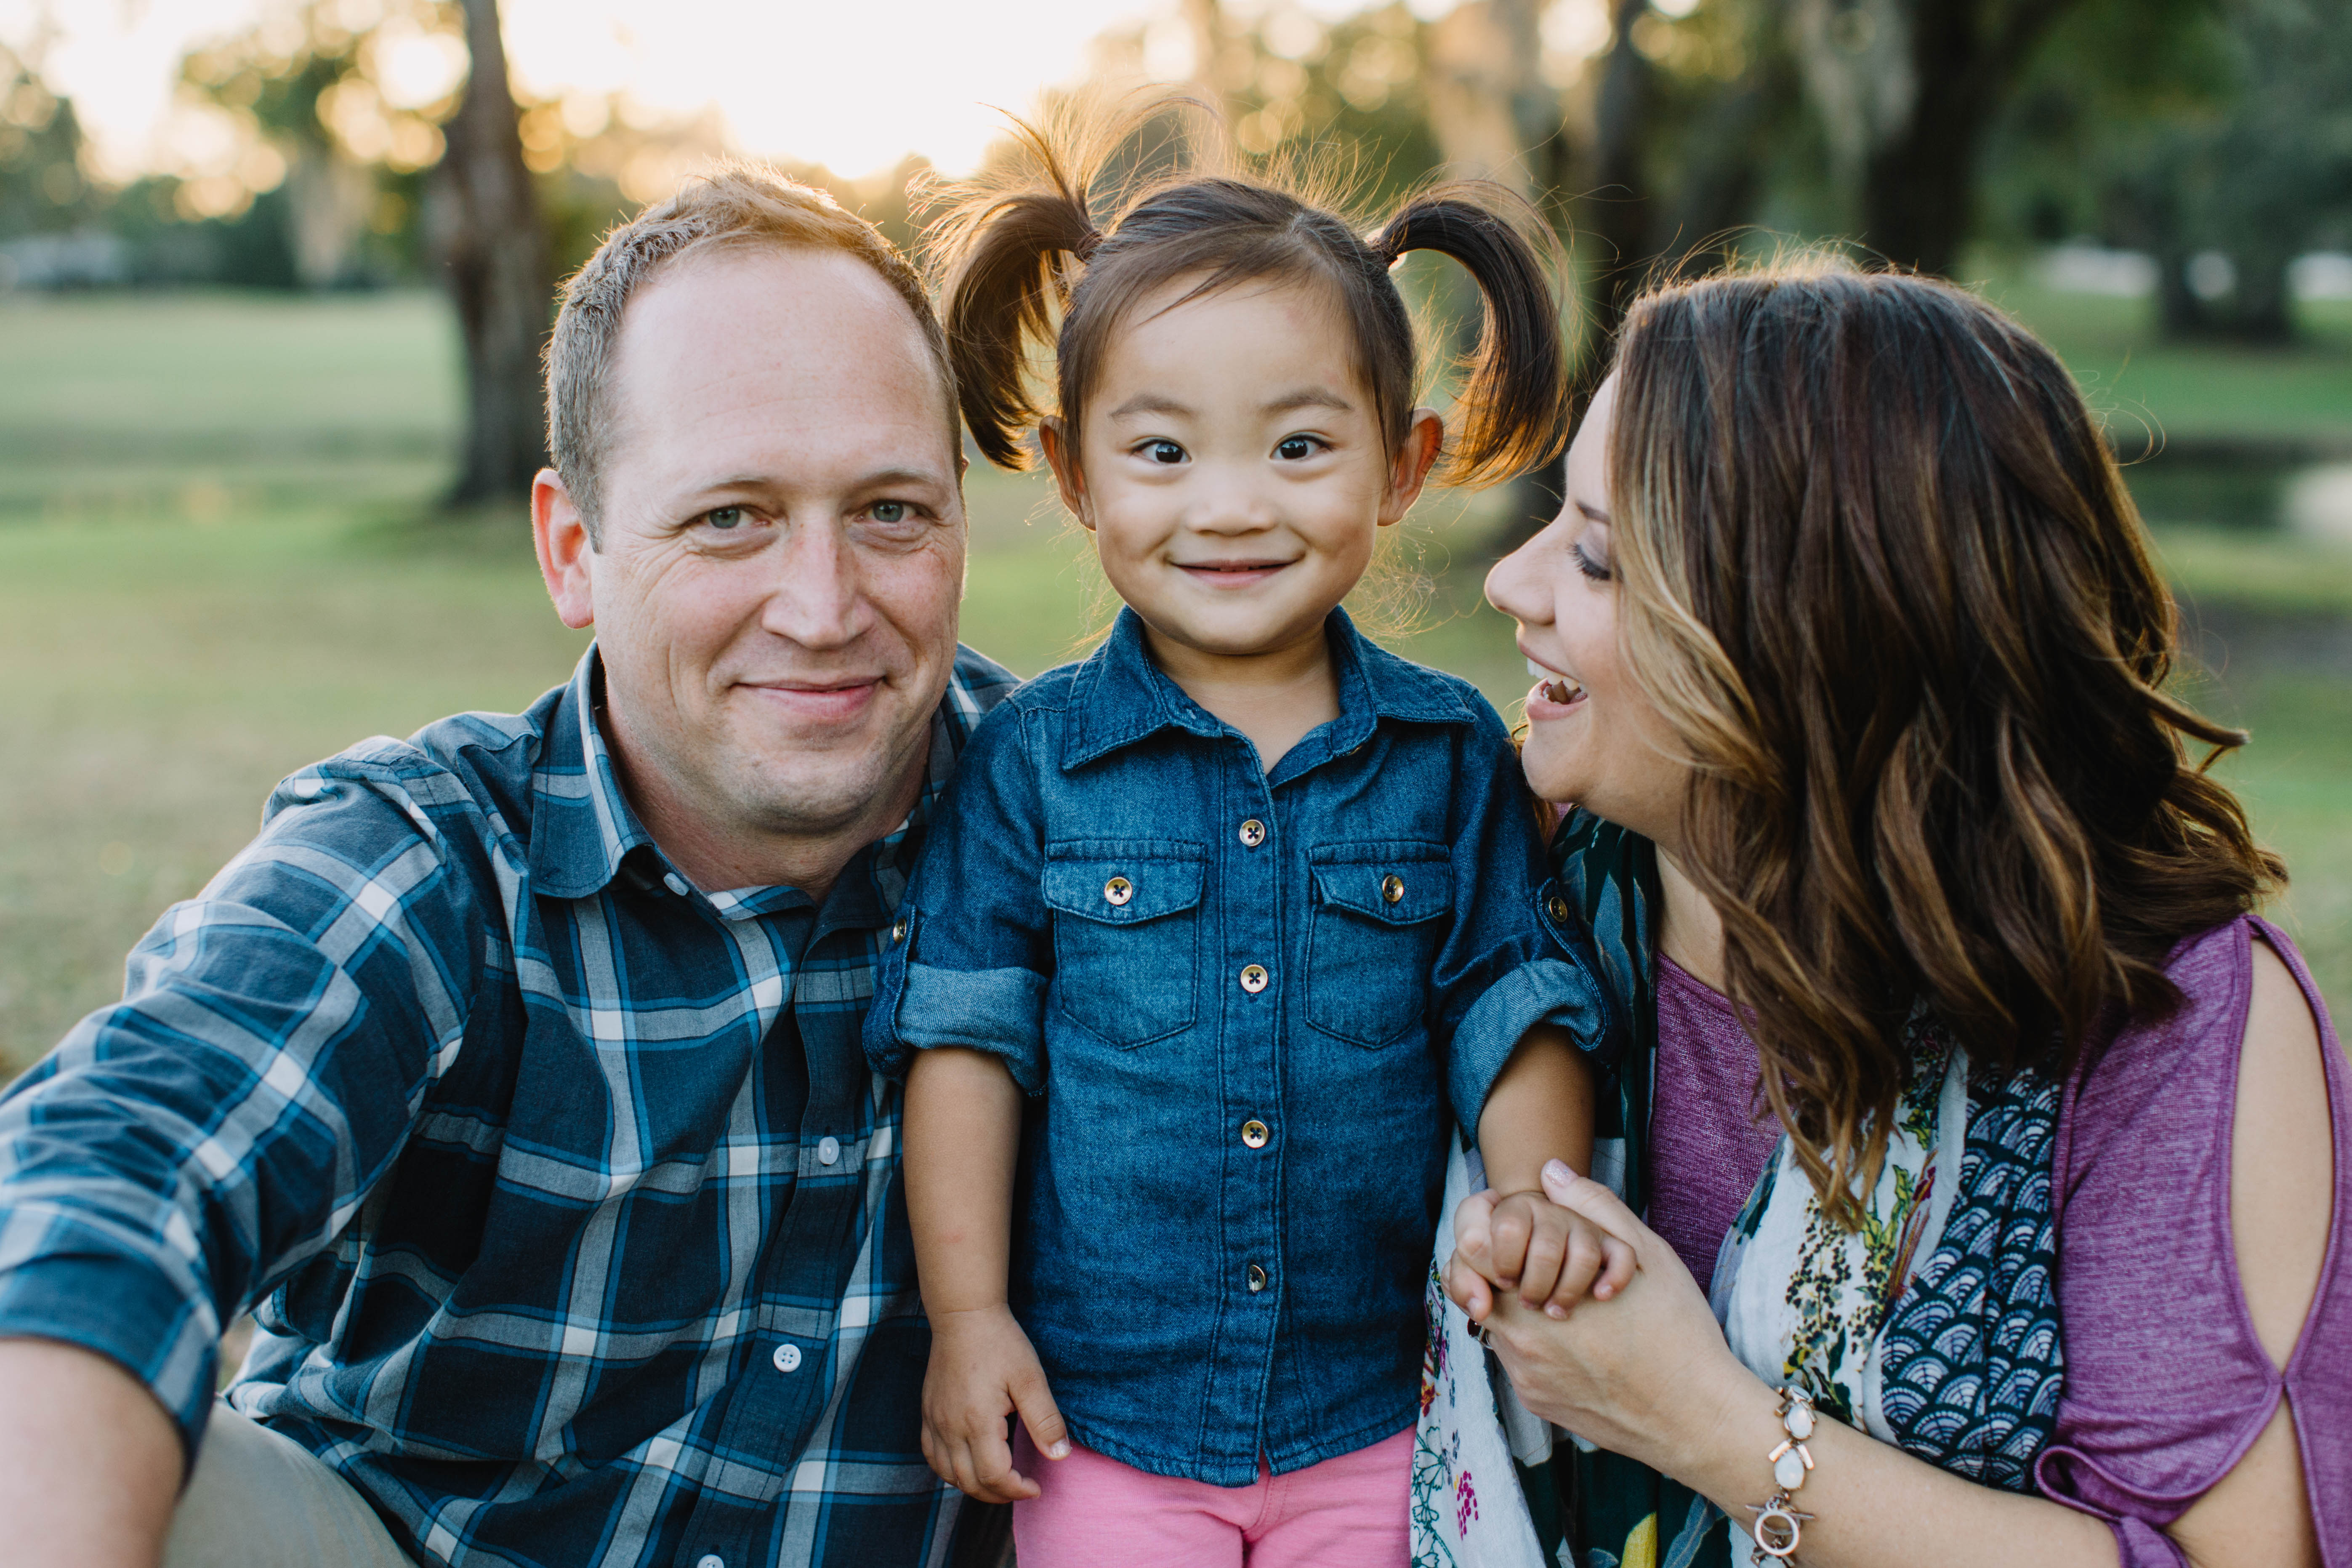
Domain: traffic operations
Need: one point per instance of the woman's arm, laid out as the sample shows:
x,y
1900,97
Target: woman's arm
x,y
1648,1375
2280,1154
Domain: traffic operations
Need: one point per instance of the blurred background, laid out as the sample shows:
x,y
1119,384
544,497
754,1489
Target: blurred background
x,y
274,275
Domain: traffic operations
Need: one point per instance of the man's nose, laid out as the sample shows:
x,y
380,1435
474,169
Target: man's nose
x,y
818,598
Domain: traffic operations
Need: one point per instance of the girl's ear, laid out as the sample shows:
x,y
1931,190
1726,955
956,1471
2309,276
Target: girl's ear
x,y
1423,435
1062,457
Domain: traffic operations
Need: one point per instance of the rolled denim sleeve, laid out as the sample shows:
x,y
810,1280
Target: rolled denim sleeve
x,y
972,968
182,1152
1502,970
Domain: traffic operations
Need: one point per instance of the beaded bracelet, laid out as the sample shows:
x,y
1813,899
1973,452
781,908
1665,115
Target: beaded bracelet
x,y
1777,1523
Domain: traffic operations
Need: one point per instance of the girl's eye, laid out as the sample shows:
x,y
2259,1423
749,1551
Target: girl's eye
x,y
1163,451
1295,448
724,517
1588,565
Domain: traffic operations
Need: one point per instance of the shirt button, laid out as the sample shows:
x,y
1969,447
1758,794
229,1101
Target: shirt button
x,y
829,1150
1253,833
1119,889
673,882
1256,1279
1254,1133
897,933
1391,888
1558,908
712,1561
1253,978
787,1359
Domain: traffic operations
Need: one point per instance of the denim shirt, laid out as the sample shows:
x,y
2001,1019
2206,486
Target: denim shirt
x,y
1243,1005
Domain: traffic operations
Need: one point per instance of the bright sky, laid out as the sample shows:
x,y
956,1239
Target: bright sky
x,y
852,84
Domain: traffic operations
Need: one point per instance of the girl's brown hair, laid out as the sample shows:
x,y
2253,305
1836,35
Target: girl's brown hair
x,y
1024,264
1883,583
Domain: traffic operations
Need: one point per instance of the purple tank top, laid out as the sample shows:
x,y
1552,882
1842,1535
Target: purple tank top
x,y
2167,1384
1705,1148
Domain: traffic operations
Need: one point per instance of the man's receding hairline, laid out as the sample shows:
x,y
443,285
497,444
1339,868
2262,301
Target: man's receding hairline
x,y
747,247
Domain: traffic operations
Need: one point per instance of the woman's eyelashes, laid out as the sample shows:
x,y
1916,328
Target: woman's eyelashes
x,y
1598,571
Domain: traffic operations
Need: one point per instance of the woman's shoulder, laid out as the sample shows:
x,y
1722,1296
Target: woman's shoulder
x,y
2175,1312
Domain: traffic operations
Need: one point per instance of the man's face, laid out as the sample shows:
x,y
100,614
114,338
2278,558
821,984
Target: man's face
x,y
782,549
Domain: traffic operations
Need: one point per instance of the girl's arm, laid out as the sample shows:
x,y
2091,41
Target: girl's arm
x,y
963,1127
1541,1110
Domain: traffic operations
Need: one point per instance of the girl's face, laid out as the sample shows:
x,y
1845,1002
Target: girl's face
x,y
1593,737
1232,467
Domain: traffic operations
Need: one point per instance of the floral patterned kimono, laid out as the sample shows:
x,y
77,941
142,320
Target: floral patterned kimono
x,y
1934,1327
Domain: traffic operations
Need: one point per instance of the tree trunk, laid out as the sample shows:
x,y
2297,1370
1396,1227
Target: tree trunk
x,y
494,255
1919,194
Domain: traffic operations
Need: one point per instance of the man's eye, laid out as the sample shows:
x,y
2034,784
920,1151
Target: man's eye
x,y
1294,448
1163,451
889,510
724,517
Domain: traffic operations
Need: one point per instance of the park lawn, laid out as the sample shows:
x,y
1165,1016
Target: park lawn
x,y
214,568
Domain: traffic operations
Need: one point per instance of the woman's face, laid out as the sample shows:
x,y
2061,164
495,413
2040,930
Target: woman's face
x,y
1593,737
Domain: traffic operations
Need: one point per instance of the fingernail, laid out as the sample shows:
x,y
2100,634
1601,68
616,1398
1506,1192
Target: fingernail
x,y
1557,1170
1058,1451
1556,1311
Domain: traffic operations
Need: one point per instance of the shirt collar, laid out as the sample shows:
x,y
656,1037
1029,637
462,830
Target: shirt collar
x,y
1119,696
584,834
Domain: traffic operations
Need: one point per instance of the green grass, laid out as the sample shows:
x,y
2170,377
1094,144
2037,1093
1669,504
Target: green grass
x,y
211,573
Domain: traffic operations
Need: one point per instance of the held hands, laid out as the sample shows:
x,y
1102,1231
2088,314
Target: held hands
x,y
983,1369
1551,1255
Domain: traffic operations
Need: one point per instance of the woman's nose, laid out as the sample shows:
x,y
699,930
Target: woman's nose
x,y
1510,584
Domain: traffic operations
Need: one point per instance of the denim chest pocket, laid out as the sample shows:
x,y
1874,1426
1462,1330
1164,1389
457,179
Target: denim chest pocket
x,y
1380,916
1126,935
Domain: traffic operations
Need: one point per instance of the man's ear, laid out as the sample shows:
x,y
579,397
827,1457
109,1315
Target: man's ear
x,y
1062,457
561,535
1423,435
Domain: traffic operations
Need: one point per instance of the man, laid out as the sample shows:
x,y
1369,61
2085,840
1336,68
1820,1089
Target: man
x,y
511,1077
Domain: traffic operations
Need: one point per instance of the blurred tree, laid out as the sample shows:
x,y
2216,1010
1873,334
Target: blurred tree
x,y
2223,149
45,187
493,255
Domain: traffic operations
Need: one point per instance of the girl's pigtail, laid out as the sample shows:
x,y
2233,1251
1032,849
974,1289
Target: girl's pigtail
x,y
1002,252
1513,411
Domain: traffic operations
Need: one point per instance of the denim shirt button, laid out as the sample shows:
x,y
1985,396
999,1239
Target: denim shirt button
x,y
897,933
1253,978
1119,889
1257,1278
1558,909
1391,888
1255,1133
1253,834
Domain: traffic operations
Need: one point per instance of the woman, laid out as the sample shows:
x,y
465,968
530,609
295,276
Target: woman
x,y
1957,1070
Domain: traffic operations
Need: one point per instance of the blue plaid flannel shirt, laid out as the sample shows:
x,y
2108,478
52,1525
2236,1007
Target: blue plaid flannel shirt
x,y
567,1208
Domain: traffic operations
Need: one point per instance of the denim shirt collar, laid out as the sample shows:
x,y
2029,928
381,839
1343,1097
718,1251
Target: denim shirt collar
x,y
1121,696
586,835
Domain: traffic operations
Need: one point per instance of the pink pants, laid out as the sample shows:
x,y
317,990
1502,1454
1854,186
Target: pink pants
x,y
1095,1512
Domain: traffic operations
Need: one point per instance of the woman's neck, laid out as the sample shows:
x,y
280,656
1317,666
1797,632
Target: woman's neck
x,y
1275,698
1689,931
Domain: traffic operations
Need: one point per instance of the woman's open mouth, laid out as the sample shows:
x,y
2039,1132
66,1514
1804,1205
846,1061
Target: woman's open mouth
x,y
1553,689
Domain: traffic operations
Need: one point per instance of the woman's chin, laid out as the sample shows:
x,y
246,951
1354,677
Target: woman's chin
x,y
1553,767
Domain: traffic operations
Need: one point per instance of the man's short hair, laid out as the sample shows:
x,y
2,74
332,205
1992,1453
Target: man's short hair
x,y
741,207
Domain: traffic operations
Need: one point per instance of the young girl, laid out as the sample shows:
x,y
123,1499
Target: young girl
x,y
1226,924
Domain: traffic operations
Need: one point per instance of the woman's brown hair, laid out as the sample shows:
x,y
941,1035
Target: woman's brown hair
x,y
1025,264
1885,586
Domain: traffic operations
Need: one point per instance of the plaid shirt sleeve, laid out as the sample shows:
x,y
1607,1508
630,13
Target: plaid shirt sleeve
x,y
182,1151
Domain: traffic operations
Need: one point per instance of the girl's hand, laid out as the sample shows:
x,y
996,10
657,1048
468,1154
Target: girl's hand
x,y
1645,1374
1549,1254
983,1369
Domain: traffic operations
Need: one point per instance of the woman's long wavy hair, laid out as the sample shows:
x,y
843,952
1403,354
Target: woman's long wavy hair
x,y
1883,583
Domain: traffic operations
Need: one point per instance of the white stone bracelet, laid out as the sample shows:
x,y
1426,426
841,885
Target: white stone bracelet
x,y
1777,1523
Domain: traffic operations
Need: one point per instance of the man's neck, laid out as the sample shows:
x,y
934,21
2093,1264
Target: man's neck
x,y
716,855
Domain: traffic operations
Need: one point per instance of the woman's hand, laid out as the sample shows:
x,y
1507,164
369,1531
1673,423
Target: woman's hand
x,y
1645,1372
